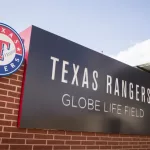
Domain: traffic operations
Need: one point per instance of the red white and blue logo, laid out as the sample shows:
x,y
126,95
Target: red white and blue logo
x,y
12,50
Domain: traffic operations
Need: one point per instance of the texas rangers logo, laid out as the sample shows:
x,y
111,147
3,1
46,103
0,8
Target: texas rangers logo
x,y
12,50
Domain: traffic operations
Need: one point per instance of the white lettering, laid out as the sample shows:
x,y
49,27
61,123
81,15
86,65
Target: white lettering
x,y
54,67
67,100
119,109
109,84
116,87
3,30
113,108
143,94
124,88
141,113
16,41
127,110
79,102
73,101
131,90
97,105
11,35
12,65
90,104
5,68
148,96
85,78
132,111
17,59
95,84
18,49
137,92
75,79
64,71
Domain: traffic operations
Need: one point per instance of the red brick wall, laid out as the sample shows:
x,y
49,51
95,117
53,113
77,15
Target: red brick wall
x,y
12,138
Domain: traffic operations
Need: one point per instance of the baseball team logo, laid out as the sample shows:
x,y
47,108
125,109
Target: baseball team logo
x,y
12,50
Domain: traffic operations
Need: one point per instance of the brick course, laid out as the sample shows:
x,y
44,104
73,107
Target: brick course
x,y
12,138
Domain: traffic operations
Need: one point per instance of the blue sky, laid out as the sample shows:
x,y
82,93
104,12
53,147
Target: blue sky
x,y
108,25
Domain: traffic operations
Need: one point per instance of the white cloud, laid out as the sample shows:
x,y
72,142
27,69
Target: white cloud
x,y
135,55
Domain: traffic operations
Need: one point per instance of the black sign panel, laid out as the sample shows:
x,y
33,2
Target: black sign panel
x,y
71,87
